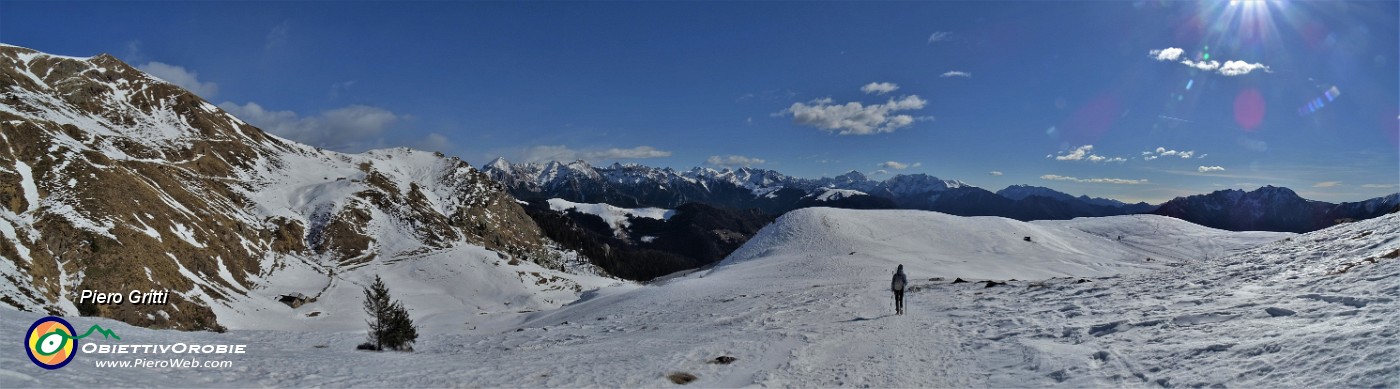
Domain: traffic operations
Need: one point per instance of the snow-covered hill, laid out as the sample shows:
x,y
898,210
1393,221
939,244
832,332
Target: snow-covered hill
x,y
1311,310
113,180
870,243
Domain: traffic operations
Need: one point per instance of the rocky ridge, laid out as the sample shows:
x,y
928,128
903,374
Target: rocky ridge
x,y
114,180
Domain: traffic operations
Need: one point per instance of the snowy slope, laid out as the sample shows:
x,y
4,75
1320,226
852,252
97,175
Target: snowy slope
x,y
447,290
936,244
1205,323
448,282
615,216
125,181
833,194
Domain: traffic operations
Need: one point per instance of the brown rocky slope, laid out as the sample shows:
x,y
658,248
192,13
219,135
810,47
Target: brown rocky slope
x,y
112,180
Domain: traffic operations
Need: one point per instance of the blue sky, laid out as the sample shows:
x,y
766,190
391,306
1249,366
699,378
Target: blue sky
x,y
1097,98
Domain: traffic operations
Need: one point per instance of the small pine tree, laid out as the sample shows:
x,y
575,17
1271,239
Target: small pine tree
x,y
389,324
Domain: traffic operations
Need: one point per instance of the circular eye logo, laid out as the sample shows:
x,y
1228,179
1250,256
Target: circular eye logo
x,y
51,343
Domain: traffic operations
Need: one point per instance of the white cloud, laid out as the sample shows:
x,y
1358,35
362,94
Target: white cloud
x,y
1327,184
1119,181
898,165
351,128
854,118
1207,169
1164,152
133,52
544,153
547,153
880,172
939,36
956,73
1086,153
1236,68
1167,54
1229,68
1077,154
1100,158
893,165
994,173
434,142
181,77
639,152
1379,186
1208,66
733,161
879,88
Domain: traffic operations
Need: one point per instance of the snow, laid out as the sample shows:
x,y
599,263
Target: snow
x,y
614,216
26,57
185,233
226,275
447,291
8,231
832,194
79,219
148,230
950,246
803,304
26,183
819,318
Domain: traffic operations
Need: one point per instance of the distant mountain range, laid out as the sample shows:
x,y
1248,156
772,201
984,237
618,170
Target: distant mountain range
x,y
1271,209
634,185
631,185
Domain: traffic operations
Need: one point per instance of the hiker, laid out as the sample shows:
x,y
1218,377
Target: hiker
x,y
897,285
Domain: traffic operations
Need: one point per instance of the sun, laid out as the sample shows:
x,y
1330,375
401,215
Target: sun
x,y
1247,21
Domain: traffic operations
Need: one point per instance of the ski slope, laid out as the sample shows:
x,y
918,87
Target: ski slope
x,y
797,309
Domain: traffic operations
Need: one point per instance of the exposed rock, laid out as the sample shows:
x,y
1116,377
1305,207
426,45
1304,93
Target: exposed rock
x,y
682,378
1276,312
723,360
113,180
294,300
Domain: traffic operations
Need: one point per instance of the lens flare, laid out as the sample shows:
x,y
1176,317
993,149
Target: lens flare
x,y
1321,101
1238,26
1249,109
